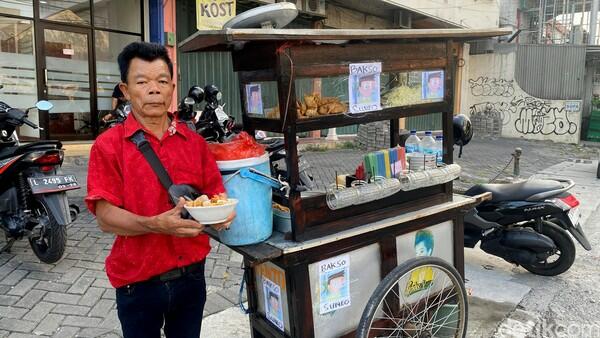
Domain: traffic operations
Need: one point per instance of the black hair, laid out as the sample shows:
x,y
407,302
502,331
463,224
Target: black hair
x,y
366,78
253,89
435,74
335,275
273,295
145,51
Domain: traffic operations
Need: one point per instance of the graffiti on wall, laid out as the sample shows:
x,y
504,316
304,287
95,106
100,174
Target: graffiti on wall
x,y
531,116
537,117
485,86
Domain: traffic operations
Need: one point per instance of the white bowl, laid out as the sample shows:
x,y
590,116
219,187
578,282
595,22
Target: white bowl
x,y
213,214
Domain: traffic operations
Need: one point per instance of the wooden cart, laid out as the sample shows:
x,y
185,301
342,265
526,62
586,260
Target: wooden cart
x,y
375,237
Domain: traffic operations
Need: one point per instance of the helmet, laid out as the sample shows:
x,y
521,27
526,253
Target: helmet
x,y
463,131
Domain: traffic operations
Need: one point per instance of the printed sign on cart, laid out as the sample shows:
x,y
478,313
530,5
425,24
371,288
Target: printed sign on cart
x,y
274,308
334,283
364,88
212,14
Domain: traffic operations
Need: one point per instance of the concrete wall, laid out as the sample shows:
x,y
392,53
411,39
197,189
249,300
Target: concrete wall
x,y
499,107
468,13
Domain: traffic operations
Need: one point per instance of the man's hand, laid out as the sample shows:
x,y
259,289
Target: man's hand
x,y
170,222
225,225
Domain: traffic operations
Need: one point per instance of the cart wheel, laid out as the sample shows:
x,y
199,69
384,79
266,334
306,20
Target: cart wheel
x,y
424,297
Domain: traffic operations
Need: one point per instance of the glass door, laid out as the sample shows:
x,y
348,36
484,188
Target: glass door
x,y
66,60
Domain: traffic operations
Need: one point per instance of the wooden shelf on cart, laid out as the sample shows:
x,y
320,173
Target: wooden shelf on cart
x,y
341,120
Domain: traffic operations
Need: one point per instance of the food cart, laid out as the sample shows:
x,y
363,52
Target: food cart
x,y
363,243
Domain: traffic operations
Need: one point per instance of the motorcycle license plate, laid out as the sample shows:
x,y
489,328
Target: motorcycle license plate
x,y
574,216
49,184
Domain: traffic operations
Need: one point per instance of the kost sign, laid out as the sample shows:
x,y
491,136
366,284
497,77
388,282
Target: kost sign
x,y
212,14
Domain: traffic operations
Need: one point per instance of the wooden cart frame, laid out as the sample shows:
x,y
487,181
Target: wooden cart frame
x,y
319,233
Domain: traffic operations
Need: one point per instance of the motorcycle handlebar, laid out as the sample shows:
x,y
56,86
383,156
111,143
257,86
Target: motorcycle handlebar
x,y
29,123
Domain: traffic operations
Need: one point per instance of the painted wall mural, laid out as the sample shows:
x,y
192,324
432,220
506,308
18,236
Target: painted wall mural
x,y
499,107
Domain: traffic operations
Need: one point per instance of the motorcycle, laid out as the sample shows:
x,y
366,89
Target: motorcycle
x,y
528,224
525,223
116,116
33,199
215,125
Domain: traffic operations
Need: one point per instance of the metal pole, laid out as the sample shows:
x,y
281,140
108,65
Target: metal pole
x,y
572,25
517,158
541,20
593,22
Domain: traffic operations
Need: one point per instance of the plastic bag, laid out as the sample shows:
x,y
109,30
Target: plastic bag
x,y
240,147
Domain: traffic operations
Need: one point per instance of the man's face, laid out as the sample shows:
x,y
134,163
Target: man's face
x,y
365,88
421,250
254,98
274,304
435,83
336,284
149,87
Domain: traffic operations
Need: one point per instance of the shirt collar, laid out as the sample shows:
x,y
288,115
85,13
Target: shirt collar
x,y
132,125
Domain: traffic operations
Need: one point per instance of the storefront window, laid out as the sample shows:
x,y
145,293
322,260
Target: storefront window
x,y
123,15
71,11
17,7
108,47
17,67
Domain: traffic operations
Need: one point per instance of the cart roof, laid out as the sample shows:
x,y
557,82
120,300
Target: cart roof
x,y
226,39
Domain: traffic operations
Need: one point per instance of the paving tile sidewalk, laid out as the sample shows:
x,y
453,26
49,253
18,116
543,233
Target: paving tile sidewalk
x,y
73,297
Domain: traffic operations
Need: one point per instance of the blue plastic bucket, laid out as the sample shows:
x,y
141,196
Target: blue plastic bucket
x,y
254,221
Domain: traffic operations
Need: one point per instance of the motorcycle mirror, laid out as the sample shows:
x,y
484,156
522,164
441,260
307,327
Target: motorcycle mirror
x,y
189,101
196,93
1,86
44,105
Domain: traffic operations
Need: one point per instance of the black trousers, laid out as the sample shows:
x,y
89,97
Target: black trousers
x,y
178,304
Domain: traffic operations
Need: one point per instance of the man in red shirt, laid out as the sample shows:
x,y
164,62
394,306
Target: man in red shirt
x,y
157,260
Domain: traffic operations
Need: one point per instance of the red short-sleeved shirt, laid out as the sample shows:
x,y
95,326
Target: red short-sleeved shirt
x,y
119,174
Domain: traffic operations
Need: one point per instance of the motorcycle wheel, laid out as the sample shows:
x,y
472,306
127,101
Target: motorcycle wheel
x,y
50,242
565,251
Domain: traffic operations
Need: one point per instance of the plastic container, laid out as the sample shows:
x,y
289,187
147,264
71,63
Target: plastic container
x,y
413,143
439,149
420,161
428,144
282,220
254,220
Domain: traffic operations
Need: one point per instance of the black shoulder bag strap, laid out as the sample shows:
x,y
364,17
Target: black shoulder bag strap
x,y
144,147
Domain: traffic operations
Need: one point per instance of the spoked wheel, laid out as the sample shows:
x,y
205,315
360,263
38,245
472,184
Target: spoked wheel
x,y
48,239
423,298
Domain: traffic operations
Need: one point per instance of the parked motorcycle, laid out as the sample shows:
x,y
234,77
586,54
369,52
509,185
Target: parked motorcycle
x,y
526,223
116,116
33,199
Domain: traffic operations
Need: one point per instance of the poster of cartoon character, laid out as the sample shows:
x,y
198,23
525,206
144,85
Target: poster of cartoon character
x,y
334,282
432,85
254,104
364,87
274,310
422,278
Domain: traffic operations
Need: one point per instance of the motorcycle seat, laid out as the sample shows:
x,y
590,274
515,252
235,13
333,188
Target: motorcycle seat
x,y
9,151
514,191
6,152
